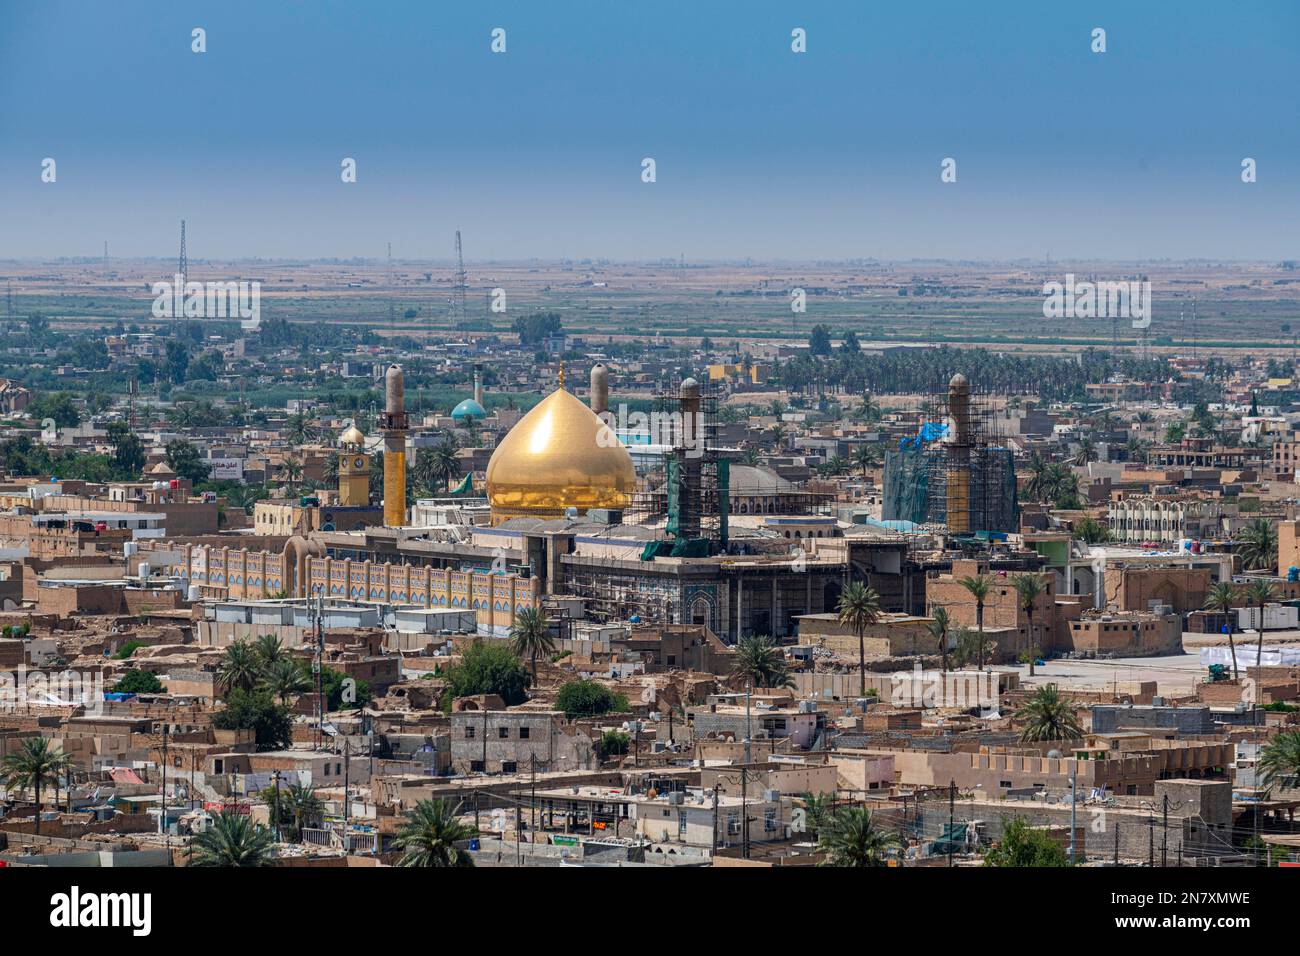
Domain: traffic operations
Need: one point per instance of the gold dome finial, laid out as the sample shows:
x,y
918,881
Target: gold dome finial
x,y
561,373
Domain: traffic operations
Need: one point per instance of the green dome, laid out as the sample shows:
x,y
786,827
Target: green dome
x,y
468,409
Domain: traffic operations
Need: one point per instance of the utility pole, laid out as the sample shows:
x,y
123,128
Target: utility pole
x,y
952,814
347,753
716,785
1074,802
1164,832
1151,841
744,812
276,777
320,664
162,817
1117,844
532,795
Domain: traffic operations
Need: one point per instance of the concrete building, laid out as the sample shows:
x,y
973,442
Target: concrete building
x,y
508,742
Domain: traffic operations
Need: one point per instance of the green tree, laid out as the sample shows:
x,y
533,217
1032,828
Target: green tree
x,y
487,669
819,342
1048,716
183,458
614,743
1279,760
1257,545
269,651
851,837
429,836
239,668
35,762
979,587
761,663
284,678
1222,598
60,406
1023,845
1090,531
859,608
865,457
587,698
1259,593
271,723
232,841
136,681
530,635
938,628
1029,587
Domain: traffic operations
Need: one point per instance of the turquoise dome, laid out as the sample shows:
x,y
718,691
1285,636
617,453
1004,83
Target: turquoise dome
x,y
468,409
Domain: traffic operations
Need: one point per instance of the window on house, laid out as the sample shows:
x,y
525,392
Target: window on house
x,y
508,766
469,733
503,733
476,766
327,769
524,733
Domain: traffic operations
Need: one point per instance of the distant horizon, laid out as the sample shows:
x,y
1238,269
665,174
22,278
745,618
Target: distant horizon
x,y
664,261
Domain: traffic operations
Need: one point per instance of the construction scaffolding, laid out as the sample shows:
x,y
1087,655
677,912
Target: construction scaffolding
x,y
953,472
689,496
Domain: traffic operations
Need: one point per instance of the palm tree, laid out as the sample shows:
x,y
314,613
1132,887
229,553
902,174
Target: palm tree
x,y
850,837
865,457
869,410
760,663
291,468
445,463
1048,716
1280,759
979,587
778,436
1087,452
938,629
859,608
285,677
1036,487
1028,589
530,635
1221,598
239,668
269,650
1257,545
430,834
303,807
817,810
232,840
1259,593
31,765
972,647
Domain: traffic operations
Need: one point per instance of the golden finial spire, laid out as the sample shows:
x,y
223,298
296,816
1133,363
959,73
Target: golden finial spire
x,y
561,373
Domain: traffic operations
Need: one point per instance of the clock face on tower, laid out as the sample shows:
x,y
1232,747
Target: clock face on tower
x,y
359,463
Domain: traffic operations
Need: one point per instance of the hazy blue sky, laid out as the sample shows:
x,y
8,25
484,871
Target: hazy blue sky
x,y
761,152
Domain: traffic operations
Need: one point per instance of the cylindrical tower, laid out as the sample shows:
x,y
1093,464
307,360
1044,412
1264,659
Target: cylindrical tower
x,y
393,422
599,388
478,384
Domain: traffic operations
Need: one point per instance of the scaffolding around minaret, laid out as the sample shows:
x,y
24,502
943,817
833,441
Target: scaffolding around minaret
x,y
950,473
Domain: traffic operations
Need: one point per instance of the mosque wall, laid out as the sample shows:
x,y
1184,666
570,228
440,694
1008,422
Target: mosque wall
x,y
254,575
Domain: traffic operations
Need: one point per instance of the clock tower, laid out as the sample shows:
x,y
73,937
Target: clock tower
x,y
354,469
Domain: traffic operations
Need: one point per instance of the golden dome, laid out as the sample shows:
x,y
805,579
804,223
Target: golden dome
x,y
352,436
559,455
